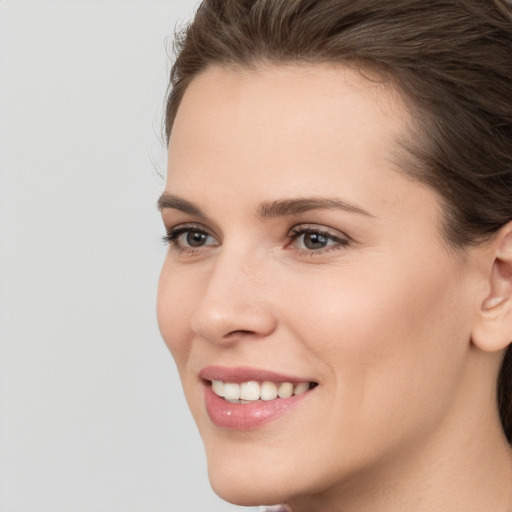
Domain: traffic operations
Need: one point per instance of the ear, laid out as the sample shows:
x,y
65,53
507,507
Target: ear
x,y
493,329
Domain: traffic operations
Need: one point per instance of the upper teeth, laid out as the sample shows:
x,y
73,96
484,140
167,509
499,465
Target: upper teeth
x,y
252,390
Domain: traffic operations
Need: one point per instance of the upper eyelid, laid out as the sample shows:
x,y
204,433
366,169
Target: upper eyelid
x,y
175,219
173,235
190,226
186,225
305,227
341,241
291,234
293,230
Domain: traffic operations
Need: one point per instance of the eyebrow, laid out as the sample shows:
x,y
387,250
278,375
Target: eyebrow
x,y
173,202
269,209
284,207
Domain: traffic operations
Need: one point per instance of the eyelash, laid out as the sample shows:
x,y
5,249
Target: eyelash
x,y
172,238
304,229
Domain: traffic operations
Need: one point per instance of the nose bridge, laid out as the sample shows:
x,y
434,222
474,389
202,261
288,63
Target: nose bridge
x,y
234,302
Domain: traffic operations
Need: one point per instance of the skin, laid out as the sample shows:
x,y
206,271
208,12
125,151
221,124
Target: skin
x,y
404,416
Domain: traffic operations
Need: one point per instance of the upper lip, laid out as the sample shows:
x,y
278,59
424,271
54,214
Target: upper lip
x,y
245,374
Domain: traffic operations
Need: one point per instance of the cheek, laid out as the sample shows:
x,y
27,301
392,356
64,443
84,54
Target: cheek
x,y
387,340
174,306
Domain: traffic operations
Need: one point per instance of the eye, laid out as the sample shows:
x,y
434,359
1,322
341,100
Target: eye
x,y
193,238
315,240
188,238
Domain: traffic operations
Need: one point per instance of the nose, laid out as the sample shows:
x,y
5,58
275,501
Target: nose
x,y
235,302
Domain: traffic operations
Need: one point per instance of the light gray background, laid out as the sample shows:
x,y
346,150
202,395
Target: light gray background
x,y
92,415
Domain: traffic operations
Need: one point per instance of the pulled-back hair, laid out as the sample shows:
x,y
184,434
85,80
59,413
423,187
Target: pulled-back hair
x,y
450,59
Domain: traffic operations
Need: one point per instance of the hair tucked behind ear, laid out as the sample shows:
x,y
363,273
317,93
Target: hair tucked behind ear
x,y
451,59
505,393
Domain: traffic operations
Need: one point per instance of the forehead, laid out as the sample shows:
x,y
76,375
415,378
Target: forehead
x,y
289,127
290,89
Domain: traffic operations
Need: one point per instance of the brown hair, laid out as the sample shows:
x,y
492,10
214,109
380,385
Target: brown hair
x,y
452,59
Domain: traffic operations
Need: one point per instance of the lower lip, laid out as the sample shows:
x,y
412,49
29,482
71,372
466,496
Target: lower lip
x,y
247,416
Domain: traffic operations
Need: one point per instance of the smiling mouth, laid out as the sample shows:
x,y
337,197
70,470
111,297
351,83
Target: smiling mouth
x,y
254,391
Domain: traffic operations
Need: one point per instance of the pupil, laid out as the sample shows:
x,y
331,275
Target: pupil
x,y
195,239
315,241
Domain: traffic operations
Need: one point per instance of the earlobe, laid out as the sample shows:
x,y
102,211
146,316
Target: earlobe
x,y
492,302
493,329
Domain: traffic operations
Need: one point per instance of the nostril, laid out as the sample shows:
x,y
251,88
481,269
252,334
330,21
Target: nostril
x,y
239,332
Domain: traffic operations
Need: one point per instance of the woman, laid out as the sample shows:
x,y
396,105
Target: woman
x,y
337,293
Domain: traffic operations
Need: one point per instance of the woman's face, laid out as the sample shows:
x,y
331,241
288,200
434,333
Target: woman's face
x,y
303,258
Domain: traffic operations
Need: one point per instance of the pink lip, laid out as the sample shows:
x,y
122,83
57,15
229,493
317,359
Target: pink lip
x,y
245,374
246,416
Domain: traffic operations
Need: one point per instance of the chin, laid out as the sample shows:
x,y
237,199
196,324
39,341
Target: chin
x,y
245,490
245,480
